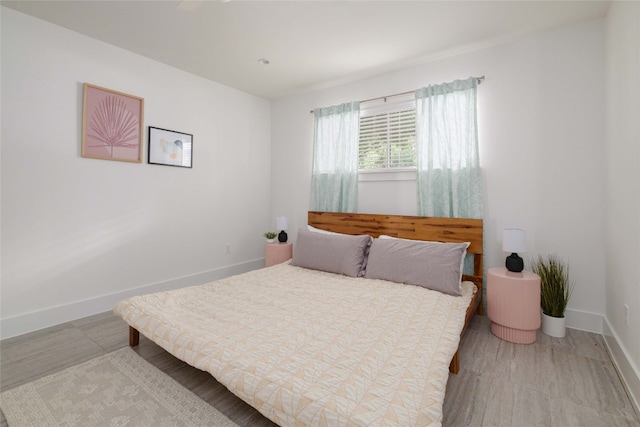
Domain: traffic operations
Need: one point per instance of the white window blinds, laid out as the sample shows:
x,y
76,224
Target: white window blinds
x,y
387,137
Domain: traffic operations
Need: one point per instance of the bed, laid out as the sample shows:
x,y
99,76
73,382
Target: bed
x,y
306,346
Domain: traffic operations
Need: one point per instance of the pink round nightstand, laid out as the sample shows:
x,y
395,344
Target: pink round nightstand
x,y
513,304
276,253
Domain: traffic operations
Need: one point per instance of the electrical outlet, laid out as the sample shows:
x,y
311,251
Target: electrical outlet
x,y
626,314
227,249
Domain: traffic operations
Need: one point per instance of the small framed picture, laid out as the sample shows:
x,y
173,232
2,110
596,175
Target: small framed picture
x,y
112,125
170,148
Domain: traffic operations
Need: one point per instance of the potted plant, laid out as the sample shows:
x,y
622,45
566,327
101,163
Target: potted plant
x,y
270,236
555,291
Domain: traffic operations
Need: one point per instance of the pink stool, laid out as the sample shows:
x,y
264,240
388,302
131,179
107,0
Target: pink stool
x,y
513,304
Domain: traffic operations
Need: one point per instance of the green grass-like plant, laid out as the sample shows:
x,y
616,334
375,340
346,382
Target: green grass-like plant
x,y
555,287
270,235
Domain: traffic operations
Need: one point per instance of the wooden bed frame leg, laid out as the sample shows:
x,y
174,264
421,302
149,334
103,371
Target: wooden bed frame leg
x,y
454,366
480,309
134,336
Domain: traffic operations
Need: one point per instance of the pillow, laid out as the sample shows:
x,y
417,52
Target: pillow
x,y
335,253
366,255
319,230
432,265
462,259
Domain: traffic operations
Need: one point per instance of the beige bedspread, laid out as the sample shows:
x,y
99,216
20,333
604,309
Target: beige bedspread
x,y
308,348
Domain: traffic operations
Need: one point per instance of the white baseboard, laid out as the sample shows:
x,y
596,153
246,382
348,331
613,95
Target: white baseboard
x,y
584,321
627,369
36,320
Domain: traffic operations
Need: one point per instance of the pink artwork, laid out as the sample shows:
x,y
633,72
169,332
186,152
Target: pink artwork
x,y
111,125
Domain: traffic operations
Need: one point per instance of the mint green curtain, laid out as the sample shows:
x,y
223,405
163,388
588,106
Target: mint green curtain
x,y
449,181
334,179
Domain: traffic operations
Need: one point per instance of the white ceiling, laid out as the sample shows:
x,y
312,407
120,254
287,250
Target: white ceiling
x,y
310,44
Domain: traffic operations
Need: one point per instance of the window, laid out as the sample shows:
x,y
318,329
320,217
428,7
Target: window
x,y
388,137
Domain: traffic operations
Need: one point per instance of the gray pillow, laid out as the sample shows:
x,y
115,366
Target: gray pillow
x,y
335,253
432,265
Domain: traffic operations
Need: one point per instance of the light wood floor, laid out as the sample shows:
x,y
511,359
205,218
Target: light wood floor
x,y
554,382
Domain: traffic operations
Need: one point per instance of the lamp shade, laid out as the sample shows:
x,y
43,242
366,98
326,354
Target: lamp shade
x,y
281,223
513,240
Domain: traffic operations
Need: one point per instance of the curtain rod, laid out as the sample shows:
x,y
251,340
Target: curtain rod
x,y
478,81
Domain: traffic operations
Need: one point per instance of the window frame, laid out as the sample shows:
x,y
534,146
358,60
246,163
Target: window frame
x,y
387,106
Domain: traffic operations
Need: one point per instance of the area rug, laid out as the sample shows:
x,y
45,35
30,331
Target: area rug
x,y
117,389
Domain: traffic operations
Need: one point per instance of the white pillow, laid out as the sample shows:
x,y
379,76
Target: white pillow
x,y
318,230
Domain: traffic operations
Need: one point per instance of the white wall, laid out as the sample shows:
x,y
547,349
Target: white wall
x,y
622,204
79,234
541,131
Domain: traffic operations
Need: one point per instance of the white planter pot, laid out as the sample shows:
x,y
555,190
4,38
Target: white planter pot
x,y
271,240
554,326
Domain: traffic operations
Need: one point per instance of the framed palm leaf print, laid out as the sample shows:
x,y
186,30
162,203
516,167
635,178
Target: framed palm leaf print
x,y
112,125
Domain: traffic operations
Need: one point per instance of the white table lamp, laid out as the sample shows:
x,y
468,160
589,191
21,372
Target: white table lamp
x,y
282,224
513,240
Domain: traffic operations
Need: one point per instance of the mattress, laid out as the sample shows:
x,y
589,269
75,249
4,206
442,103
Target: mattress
x,y
311,348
